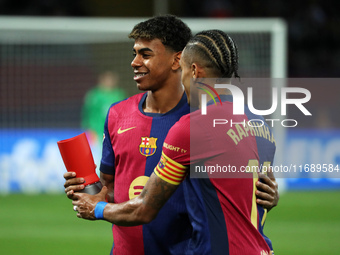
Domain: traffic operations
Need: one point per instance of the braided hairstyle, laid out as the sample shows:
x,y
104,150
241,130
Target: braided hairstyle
x,y
216,51
169,29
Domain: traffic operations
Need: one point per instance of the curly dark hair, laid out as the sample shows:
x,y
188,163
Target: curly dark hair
x,y
217,50
172,31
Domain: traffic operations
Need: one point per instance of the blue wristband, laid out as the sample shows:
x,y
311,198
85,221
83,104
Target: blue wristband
x,y
99,210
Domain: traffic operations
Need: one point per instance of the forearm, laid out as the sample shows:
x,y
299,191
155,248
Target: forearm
x,y
130,213
108,181
142,209
110,195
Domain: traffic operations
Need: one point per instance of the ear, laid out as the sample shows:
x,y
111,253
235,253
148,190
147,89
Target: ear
x,y
175,63
197,71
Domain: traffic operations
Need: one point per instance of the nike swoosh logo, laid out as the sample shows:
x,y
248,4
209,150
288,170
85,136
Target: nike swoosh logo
x,y
120,131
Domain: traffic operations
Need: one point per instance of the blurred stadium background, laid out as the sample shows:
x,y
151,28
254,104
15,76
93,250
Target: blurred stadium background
x,y
45,73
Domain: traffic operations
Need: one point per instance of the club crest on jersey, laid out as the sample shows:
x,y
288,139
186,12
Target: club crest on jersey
x,y
162,162
148,146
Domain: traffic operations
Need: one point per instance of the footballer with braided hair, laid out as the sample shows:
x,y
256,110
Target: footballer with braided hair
x,y
223,210
216,50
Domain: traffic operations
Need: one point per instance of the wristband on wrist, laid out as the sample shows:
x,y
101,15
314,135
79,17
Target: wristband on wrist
x,y
99,210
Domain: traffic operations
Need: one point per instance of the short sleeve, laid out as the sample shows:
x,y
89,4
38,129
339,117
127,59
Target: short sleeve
x,y
177,142
108,157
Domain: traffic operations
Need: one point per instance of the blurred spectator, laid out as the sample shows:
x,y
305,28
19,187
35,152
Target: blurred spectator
x,y
97,103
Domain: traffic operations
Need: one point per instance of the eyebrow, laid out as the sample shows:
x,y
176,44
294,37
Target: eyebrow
x,y
142,50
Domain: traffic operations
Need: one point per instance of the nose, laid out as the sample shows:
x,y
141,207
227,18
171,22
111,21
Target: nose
x,y
136,62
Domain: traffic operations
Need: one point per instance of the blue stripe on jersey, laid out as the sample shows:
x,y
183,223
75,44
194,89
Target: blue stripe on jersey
x,y
173,216
197,214
161,123
206,206
108,160
220,243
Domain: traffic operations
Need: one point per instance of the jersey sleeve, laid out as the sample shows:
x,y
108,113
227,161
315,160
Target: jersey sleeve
x,y
173,165
170,171
107,164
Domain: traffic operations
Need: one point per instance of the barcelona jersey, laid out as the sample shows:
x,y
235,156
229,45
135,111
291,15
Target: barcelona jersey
x,y
224,161
132,147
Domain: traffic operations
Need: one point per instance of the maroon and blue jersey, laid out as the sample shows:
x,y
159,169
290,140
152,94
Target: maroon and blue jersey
x,y
224,161
132,147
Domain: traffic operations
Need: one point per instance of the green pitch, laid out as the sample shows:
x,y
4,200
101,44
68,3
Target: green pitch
x,y
303,223
47,224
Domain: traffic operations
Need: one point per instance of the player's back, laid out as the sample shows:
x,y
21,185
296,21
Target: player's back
x,y
220,193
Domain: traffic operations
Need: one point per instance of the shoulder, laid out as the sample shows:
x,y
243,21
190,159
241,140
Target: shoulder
x,y
181,127
176,145
126,106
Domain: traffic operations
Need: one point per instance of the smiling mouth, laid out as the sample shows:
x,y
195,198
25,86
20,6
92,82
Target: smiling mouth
x,y
139,75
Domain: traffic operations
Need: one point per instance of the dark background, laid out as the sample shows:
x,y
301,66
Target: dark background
x,y
37,91
313,25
